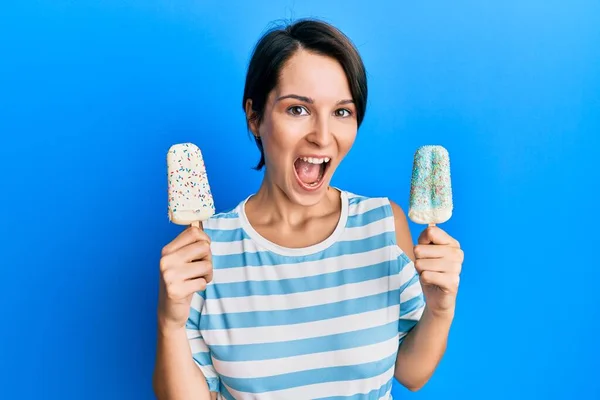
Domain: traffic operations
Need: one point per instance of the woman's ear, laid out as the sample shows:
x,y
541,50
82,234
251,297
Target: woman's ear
x,y
251,119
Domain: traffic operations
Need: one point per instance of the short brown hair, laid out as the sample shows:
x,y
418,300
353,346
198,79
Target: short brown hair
x,y
277,45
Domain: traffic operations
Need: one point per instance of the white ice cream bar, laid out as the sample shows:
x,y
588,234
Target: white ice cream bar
x,y
190,198
431,190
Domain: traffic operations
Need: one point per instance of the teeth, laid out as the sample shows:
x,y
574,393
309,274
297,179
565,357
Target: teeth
x,y
315,160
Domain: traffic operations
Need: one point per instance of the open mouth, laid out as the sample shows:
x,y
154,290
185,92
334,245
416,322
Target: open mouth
x,y
311,170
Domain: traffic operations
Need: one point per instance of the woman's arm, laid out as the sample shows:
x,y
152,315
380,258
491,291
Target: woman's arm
x,y
421,351
176,375
183,367
438,262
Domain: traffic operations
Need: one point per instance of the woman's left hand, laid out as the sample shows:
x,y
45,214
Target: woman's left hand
x,y
438,260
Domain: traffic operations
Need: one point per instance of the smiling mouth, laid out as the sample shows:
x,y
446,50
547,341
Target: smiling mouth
x,y
311,170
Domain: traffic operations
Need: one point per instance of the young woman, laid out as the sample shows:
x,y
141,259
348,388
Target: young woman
x,y
304,290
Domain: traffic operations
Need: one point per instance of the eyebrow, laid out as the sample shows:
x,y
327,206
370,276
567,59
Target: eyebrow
x,y
308,99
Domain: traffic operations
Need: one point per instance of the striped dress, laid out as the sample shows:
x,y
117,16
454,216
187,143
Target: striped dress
x,y
323,321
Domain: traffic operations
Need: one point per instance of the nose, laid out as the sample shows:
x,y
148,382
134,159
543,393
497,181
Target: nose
x,y
321,133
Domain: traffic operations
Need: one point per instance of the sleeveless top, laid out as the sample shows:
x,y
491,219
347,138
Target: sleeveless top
x,y
324,321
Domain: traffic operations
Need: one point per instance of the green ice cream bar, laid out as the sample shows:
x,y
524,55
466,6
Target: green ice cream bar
x,y
430,190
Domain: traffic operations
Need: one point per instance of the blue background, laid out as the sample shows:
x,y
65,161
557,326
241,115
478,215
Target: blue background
x,y
92,94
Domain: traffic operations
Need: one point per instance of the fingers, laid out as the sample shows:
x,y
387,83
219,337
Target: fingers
x,y
186,262
445,281
438,260
453,254
180,290
438,264
194,252
194,285
191,271
177,280
436,235
190,235
182,259
198,269
434,265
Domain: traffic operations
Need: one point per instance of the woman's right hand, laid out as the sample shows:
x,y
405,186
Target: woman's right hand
x,y
185,268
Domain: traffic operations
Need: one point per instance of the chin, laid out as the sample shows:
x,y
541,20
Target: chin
x,y
303,198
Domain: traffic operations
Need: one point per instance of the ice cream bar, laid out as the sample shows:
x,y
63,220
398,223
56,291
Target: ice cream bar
x,y
430,190
190,198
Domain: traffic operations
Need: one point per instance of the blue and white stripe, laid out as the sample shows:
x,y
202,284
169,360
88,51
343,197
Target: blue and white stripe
x,y
314,323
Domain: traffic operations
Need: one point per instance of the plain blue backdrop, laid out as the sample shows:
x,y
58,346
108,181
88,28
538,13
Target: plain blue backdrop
x,y
92,94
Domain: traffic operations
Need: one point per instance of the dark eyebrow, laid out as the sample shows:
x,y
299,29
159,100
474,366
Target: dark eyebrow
x,y
309,100
297,97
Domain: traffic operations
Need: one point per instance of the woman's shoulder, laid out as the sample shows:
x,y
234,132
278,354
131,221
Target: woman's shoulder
x,y
360,203
368,209
226,219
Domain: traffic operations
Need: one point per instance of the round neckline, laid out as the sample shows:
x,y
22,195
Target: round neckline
x,y
296,251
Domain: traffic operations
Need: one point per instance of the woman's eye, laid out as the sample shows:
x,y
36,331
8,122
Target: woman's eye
x,y
297,110
342,112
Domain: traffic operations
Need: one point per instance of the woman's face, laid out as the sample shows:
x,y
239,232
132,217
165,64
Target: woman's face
x,y
309,125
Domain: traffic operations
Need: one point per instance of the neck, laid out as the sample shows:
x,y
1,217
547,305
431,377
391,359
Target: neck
x,y
276,206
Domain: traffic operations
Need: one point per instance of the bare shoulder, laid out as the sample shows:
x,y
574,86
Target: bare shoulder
x,y
403,236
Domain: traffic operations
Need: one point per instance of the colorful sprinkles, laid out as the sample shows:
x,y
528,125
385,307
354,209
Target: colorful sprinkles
x,y
188,188
430,184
